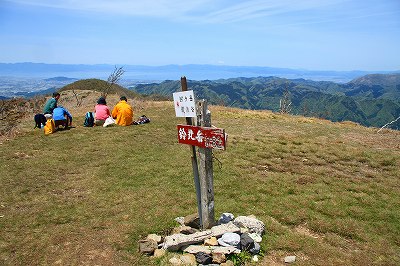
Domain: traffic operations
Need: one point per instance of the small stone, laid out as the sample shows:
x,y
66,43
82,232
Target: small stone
x,y
194,249
256,237
290,259
227,263
180,220
255,258
188,259
211,241
159,253
253,224
256,249
203,258
147,246
244,230
154,237
175,261
218,258
192,220
225,218
246,242
187,230
229,239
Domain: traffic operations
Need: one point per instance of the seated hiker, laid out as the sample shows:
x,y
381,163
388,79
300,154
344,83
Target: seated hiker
x,y
123,113
50,105
62,117
102,112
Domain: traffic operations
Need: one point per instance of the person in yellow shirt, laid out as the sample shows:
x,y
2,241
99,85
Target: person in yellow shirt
x,y
123,112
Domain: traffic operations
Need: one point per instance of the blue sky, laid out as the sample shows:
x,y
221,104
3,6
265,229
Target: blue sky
x,y
310,34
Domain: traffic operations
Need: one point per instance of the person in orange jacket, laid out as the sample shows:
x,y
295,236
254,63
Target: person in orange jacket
x,y
123,112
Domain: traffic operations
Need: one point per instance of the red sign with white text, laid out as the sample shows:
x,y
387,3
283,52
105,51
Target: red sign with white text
x,y
204,137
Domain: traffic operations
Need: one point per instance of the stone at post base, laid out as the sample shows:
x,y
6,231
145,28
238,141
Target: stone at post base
x,y
218,258
159,253
193,249
192,220
252,223
246,242
227,263
147,246
211,241
225,218
188,259
176,241
203,258
154,237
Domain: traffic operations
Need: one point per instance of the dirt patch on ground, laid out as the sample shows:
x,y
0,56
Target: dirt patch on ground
x,y
302,230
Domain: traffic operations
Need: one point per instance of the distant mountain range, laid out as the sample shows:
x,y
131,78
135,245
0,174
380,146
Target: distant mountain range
x,y
173,72
371,100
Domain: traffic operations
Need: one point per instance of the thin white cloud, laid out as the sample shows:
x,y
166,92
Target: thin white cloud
x,y
219,11
154,8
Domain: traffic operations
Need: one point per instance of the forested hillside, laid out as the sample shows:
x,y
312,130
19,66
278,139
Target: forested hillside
x,y
371,100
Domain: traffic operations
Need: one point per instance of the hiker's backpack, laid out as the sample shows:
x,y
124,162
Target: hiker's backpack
x,y
40,120
142,120
89,120
49,127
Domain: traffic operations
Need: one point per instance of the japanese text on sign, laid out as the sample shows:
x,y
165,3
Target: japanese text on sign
x,y
185,105
204,137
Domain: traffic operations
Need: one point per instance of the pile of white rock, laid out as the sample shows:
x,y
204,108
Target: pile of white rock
x,y
207,247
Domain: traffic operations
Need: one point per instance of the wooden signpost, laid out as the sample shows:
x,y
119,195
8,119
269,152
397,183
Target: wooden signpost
x,y
206,138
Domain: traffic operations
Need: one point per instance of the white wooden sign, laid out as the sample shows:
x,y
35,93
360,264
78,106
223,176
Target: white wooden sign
x,y
185,105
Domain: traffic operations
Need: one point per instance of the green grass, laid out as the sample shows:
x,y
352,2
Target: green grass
x,y
328,193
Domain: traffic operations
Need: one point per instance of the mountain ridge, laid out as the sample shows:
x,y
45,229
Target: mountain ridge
x,y
323,99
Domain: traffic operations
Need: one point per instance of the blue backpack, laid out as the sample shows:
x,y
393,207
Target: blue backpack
x,y
89,120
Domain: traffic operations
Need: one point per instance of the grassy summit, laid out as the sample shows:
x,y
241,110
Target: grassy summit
x,y
99,86
327,192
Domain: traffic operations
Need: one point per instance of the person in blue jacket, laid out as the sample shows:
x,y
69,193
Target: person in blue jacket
x,y
62,117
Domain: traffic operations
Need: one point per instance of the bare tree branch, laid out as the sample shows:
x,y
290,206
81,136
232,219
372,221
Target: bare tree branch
x,y
78,99
113,79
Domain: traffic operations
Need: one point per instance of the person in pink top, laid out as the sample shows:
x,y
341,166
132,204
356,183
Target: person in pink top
x,y
102,112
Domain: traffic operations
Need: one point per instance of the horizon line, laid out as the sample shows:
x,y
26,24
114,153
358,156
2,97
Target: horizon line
x,y
214,65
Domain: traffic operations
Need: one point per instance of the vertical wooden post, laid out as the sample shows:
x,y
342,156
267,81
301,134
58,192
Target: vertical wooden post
x,y
206,172
194,162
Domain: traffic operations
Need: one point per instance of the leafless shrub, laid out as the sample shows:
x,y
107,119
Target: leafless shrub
x,y
78,98
113,79
285,102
